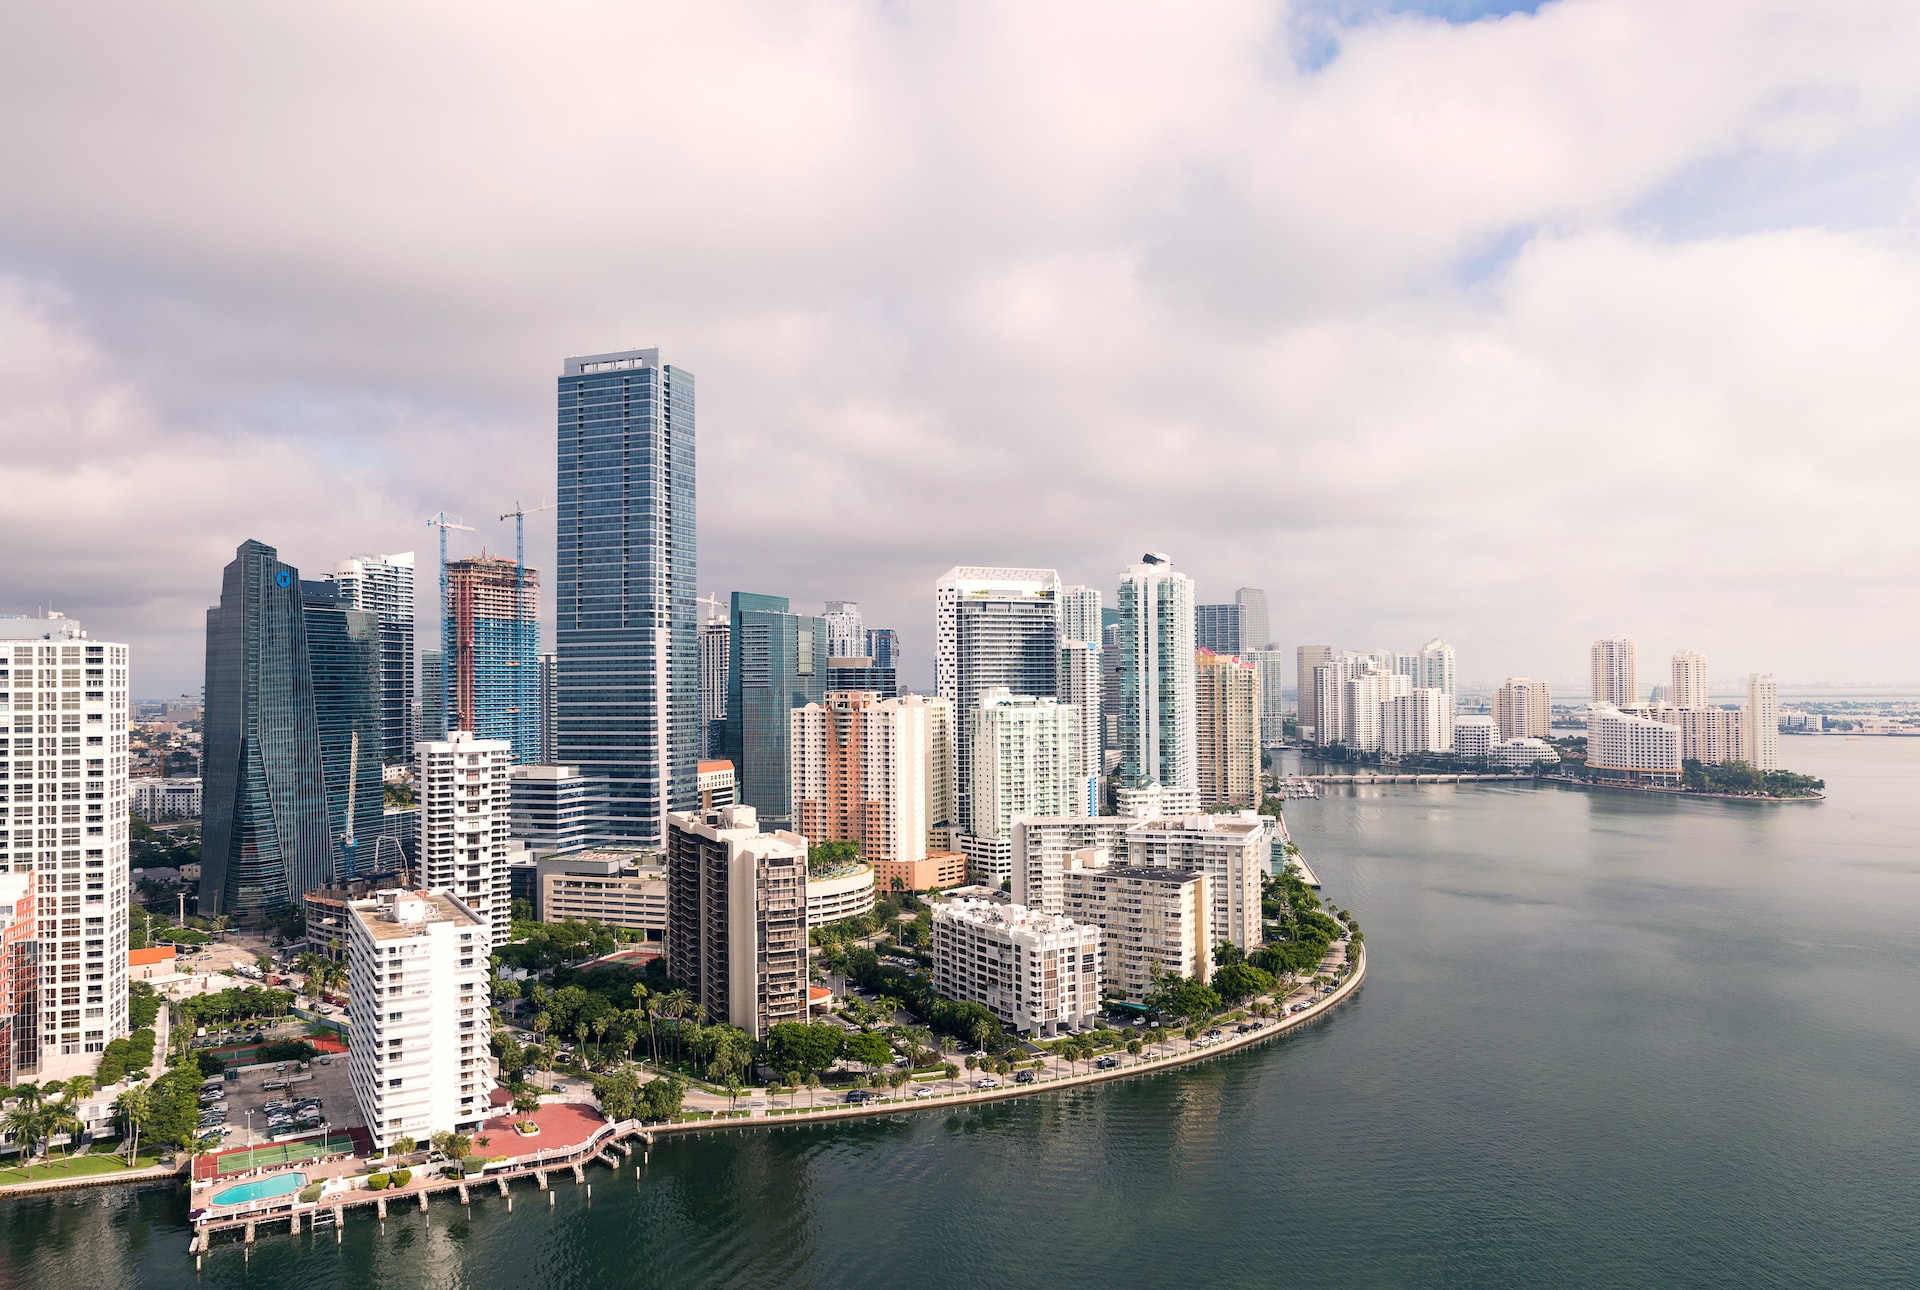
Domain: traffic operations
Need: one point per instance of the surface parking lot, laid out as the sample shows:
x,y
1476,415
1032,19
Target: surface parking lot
x,y
325,1079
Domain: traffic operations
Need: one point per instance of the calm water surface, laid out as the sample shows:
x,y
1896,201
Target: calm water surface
x,y
1604,1040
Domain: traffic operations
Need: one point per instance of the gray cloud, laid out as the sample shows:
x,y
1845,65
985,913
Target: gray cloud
x,y
1474,329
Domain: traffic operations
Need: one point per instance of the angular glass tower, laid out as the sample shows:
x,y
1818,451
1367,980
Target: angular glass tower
x,y
778,662
264,809
627,632
345,656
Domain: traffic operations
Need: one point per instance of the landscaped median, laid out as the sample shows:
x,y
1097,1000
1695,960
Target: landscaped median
x,y
1229,1042
82,1169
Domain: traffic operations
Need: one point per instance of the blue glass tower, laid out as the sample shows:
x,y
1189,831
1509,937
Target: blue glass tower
x,y
264,812
626,637
345,655
778,662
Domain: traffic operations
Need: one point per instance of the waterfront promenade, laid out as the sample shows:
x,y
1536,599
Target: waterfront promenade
x,y
574,1135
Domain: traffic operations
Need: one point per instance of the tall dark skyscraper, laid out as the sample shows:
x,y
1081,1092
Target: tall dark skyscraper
x,y
264,812
345,657
626,634
383,584
778,663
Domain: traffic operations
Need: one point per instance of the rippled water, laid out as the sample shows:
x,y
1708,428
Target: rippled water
x,y
1604,1040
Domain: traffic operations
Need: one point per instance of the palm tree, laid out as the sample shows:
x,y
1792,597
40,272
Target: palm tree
x,y
599,1036
679,1006
61,1119
132,1107
27,1122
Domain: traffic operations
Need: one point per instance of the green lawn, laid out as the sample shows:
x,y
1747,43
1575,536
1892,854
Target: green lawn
x,y
77,1168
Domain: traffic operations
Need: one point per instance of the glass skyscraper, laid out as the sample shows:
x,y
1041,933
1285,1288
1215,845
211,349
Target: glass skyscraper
x,y
345,656
778,662
383,585
626,634
491,623
1218,627
264,808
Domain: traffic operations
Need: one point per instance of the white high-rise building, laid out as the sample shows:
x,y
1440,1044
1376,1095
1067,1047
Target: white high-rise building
x,y
417,985
1417,722
465,821
1363,708
1157,735
1433,669
846,634
1522,709
715,636
1475,737
1035,972
1154,920
1023,764
1080,686
63,719
995,627
1760,735
1689,680
1616,672
1255,632
1623,746
1272,666
1230,849
1080,614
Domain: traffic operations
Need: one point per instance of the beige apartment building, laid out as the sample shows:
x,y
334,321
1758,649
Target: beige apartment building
x,y
737,917
1522,708
1154,920
1227,729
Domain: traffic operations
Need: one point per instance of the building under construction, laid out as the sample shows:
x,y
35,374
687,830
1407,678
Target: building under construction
x,y
492,630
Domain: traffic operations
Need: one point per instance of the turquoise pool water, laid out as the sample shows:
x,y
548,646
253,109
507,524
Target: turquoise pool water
x,y
260,1189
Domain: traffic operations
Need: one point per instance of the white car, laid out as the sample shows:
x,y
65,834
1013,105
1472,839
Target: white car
x,y
986,1081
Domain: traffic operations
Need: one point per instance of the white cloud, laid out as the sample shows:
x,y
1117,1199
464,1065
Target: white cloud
x,y
1057,284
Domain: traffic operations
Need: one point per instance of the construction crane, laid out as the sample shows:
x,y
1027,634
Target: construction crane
x,y
443,522
523,681
713,604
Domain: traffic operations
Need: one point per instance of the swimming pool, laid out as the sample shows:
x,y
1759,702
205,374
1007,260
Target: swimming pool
x,y
260,1189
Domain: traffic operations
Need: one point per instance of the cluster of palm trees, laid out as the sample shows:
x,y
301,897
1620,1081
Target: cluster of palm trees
x,y
322,974
44,1112
647,1018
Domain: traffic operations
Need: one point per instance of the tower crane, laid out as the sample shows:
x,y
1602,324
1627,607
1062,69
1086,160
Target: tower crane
x,y
443,522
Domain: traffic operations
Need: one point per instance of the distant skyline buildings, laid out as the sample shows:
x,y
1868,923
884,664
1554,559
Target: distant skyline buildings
x,y
778,662
626,631
1615,672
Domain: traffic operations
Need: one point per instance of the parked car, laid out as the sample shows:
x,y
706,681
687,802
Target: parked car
x,y
986,1081
1024,1077
859,1095
1107,1063
923,1091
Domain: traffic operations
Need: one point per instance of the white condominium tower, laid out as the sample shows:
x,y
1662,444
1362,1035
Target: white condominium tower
x,y
1036,972
1760,735
1433,668
1157,735
1272,666
1689,679
1623,746
846,634
1420,721
997,627
417,984
1080,689
465,820
1522,708
1023,764
1080,614
1616,672
63,699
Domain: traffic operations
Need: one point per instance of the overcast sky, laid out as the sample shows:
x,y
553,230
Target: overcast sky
x,y
1596,317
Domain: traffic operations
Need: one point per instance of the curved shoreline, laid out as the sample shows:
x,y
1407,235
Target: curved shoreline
x,y
1142,1066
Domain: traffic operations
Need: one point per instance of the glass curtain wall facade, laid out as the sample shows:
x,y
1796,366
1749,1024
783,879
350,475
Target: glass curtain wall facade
x,y
433,695
344,652
1218,628
627,631
996,628
264,797
384,585
493,685
778,662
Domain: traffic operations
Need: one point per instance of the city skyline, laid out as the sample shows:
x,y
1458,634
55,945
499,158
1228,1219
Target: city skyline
x,y
1706,267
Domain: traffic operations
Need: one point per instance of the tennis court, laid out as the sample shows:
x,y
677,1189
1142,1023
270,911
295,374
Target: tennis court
x,y
274,1154
248,1054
